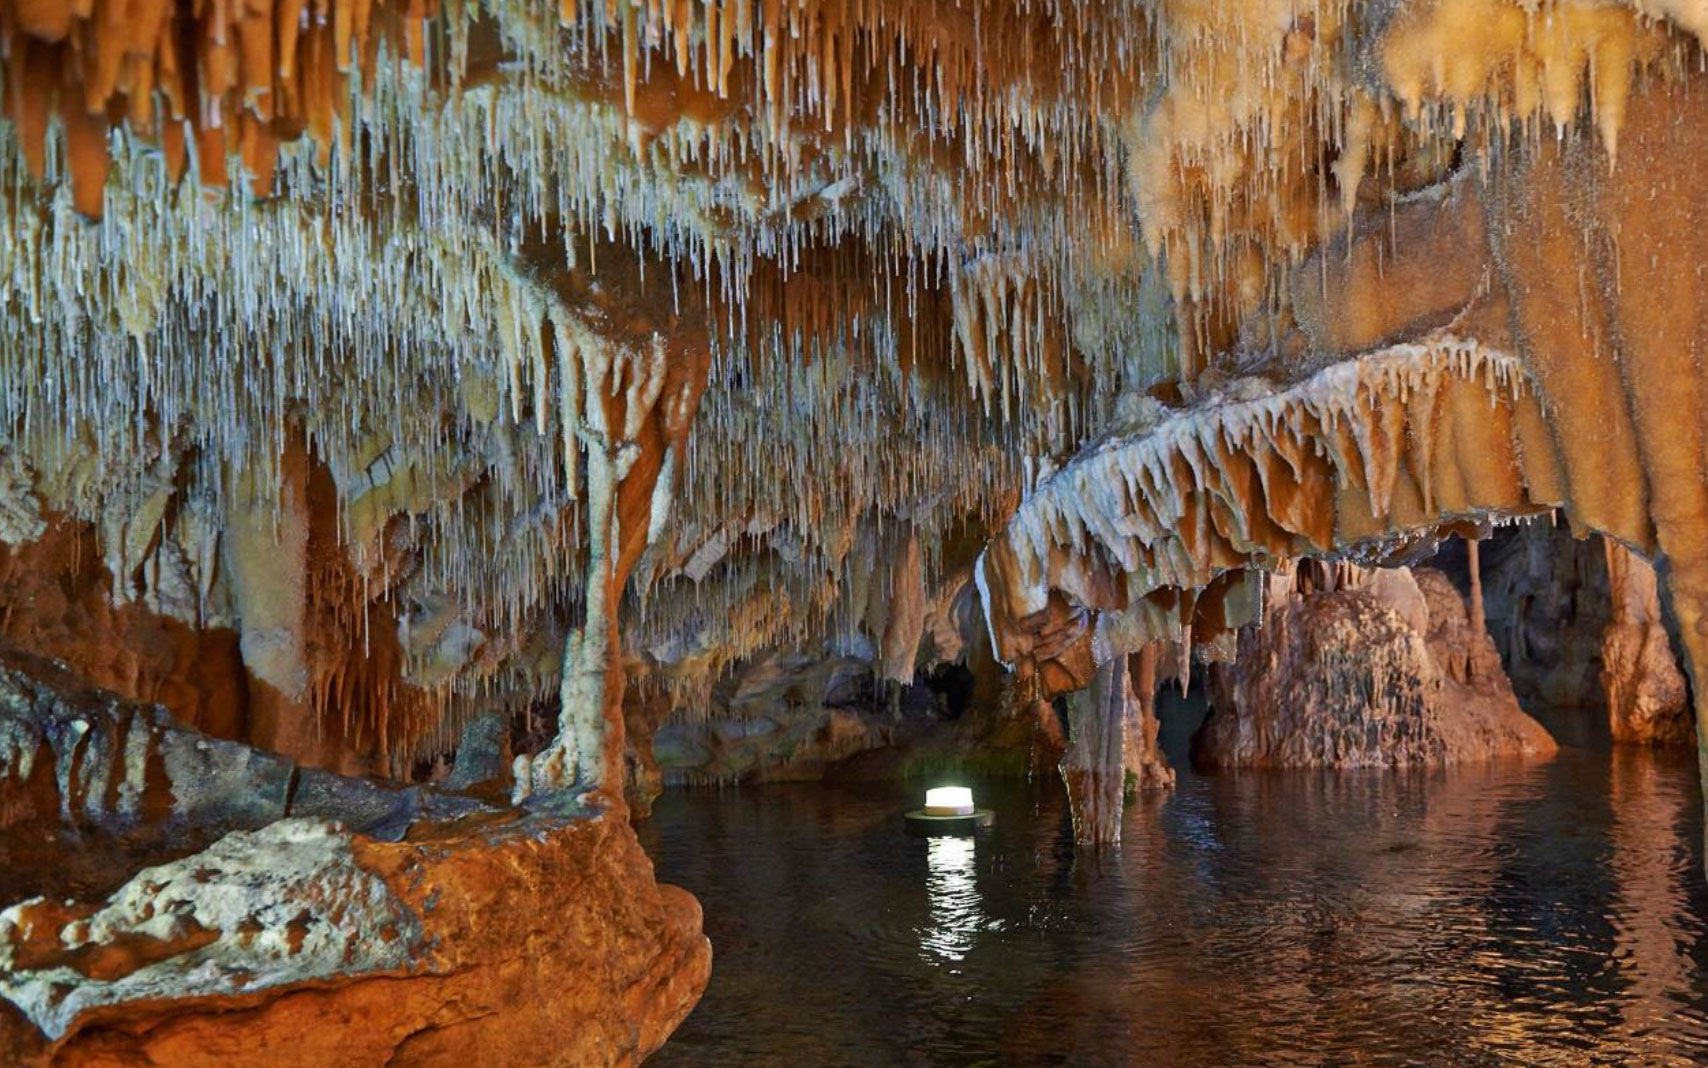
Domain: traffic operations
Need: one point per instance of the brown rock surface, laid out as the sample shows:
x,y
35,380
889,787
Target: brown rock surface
x,y
1340,679
1647,703
1146,768
58,602
527,940
443,927
90,783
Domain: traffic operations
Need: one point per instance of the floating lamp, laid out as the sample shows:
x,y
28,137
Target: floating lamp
x,y
948,810
949,801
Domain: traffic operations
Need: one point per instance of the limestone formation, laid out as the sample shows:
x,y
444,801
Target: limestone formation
x,y
1144,767
432,924
1131,214
532,940
1382,672
1111,750
258,909
1548,604
487,391
1646,699
82,772
1351,458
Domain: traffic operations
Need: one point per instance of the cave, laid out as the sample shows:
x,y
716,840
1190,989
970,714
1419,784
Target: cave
x,y
506,507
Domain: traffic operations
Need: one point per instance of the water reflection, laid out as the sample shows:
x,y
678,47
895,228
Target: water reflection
x,y
1649,817
1537,914
954,894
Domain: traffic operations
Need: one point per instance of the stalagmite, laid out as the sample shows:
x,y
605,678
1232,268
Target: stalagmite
x,y
1646,697
372,368
1094,765
1385,669
629,412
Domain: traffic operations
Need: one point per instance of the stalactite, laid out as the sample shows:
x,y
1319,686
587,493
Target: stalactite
x,y
1094,765
1473,556
930,249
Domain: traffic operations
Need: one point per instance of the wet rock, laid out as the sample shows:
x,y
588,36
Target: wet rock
x,y
1145,765
675,746
1093,765
1548,606
1112,751
1647,703
803,747
738,730
1340,679
778,718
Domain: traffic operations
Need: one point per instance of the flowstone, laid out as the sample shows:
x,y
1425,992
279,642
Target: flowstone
x,y
1340,678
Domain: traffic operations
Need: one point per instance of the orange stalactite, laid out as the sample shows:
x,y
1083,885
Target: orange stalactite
x,y
987,231
265,72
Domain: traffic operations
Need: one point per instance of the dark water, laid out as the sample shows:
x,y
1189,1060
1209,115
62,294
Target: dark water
x,y
1541,914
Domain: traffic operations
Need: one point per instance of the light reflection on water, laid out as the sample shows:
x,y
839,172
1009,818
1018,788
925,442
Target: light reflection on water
x,y
1537,914
954,896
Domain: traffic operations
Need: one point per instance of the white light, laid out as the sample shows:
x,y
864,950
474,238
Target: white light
x,y
949,801
957,915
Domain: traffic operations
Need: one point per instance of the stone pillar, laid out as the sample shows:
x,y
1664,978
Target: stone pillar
x,y
1474,563
1145,766
265,556
629,408
1094,765
1646,699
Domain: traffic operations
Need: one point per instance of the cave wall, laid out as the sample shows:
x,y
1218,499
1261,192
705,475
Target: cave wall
x,y
467,359
626,372
1548,604
1129,208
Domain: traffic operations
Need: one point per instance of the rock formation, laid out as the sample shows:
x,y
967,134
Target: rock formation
x,y
1547,600
1646,699
1111,750
82,770
374,369
1382,671
534,941
644,202
435,923
1144,766
1580,624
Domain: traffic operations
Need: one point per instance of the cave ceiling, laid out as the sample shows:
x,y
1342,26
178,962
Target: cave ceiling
x,y
1150,293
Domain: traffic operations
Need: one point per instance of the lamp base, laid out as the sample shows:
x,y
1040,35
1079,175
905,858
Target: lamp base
x,y
921,823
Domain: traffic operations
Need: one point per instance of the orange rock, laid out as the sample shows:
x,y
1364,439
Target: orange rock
x,y
544,943
49,20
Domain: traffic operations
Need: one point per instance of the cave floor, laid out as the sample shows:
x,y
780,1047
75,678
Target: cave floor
x,y
1546,914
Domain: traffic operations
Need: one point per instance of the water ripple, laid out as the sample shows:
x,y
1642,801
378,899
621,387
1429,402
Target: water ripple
x,y
1543,914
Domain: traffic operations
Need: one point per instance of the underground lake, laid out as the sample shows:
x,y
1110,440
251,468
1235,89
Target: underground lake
x,y
1518,914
